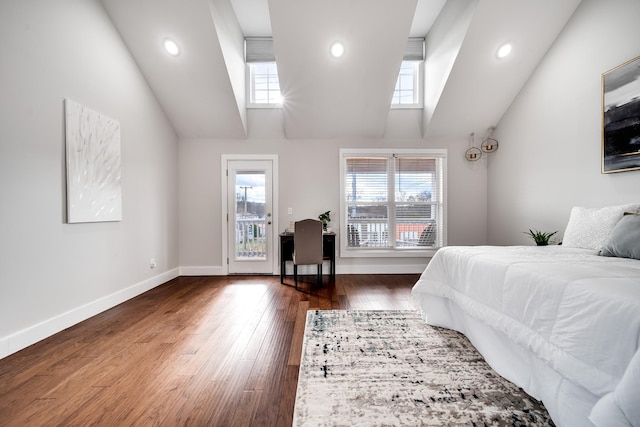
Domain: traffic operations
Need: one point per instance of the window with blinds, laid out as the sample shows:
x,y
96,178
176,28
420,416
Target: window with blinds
x,y
263,85
392,202
263,82
408,92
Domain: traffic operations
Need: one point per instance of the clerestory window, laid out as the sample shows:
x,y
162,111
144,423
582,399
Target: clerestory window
x,y
263,85
407,93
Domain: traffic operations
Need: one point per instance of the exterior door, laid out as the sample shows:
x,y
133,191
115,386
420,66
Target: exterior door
x,y
250,219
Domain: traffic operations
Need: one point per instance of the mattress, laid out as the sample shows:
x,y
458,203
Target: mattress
x,y
574,311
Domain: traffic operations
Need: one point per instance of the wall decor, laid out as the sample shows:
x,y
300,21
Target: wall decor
x,y
473,153
621,117
488,145
93,165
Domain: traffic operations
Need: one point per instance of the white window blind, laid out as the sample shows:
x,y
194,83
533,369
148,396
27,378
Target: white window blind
x,y
417,199
259,49
414,51
366,188
392,201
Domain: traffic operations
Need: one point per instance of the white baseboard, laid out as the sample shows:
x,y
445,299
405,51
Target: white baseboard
x,y
4,347
31,335
203,271
307,270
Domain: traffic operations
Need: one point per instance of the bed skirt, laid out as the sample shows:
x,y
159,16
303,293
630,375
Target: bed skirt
x,y
568,404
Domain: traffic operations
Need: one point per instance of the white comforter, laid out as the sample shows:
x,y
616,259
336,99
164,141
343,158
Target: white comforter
x,y
578,312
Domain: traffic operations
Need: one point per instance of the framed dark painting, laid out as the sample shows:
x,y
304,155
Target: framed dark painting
x,y
621,117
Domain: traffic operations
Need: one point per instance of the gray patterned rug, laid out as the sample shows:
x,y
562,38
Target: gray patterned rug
x,y
389,368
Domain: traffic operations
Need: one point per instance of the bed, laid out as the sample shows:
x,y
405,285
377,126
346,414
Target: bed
x,y
562,322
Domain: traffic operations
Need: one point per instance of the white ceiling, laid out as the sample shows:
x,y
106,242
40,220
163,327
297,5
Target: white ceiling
x,y
202,90
349,96
253,16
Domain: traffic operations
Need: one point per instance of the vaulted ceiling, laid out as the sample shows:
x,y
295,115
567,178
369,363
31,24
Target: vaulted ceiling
x,y
468,89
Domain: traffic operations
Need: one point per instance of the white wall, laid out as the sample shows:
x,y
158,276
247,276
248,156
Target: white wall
x,y
309,184
442,46
550,138
54,274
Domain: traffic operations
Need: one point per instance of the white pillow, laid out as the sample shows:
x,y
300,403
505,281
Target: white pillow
x,y
589,228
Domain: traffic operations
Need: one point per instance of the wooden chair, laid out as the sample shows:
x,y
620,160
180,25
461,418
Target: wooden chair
x,y
307,247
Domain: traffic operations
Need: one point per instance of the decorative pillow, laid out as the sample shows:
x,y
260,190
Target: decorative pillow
x,y
624,240
588,228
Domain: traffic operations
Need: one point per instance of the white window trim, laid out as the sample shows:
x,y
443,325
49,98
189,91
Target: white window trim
x,y
350,252
249,92
418,79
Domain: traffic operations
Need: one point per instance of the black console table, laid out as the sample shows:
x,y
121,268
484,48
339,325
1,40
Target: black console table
x,y
328,252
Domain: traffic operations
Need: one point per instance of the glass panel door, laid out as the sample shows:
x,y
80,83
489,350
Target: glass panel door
x,y
250,220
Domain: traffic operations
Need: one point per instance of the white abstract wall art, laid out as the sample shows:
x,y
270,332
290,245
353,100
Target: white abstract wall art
x,y
93,165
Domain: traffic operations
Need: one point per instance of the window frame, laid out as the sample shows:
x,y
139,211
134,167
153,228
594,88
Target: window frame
x,y
250,87
418,92
373,252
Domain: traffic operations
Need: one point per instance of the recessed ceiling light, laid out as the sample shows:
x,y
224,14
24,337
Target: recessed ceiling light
x,y
171,47
337,49
504,50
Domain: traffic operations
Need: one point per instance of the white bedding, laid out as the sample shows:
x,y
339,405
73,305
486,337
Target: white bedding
x,y
576,312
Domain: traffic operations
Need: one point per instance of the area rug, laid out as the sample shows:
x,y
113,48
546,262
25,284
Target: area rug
x,y
389,368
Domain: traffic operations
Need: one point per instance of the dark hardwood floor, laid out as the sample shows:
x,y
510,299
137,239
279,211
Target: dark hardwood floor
x,y
198,351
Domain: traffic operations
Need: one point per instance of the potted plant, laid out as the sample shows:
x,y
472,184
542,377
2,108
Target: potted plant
x,y
325,218
540,237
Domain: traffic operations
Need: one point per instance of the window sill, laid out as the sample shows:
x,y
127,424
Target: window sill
x,y
258,106
387,253
406,107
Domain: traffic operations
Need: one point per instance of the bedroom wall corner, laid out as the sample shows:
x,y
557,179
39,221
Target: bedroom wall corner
x,y
550,137
55,274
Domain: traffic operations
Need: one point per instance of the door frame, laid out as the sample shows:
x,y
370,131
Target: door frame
x,y
224,211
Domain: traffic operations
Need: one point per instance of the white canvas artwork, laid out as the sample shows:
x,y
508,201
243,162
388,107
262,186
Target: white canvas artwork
x,y
93,165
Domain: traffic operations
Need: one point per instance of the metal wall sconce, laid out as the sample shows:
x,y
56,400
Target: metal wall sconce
x,y
488,145
473,153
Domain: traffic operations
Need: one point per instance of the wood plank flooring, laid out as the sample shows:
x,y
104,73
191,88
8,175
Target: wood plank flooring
x,y
196,351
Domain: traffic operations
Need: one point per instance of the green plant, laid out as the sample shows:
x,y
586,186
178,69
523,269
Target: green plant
x,y
540,237
325,218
